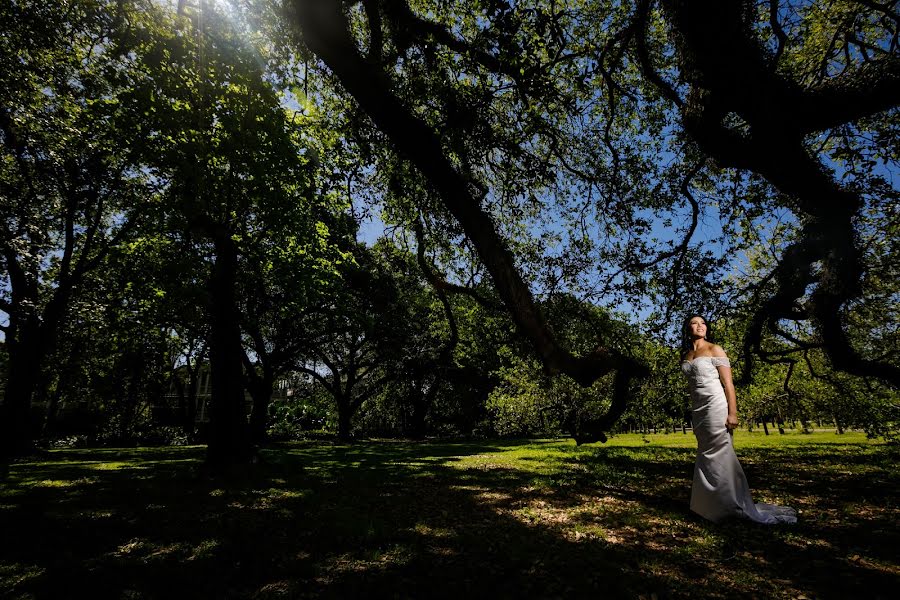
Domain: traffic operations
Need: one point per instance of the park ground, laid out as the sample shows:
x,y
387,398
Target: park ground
x,y
492,519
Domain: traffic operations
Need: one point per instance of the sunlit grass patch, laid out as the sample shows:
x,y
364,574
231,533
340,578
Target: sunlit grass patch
x,y
424,529
16,574
518,517
205,549
114,465
60,483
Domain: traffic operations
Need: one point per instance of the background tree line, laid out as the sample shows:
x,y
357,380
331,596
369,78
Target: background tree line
x,y
182,189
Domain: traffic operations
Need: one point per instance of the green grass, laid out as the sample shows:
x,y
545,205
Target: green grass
x,y
527,518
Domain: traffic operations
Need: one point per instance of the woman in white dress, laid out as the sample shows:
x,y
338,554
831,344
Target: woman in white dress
x,y
720,487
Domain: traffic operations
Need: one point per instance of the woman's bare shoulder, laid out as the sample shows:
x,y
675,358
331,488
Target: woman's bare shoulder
x,y
717,351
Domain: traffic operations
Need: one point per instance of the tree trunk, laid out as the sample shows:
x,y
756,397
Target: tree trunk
x,y
765,427
345,415
189,416
55,402
16,428
229,439
260,388
52,411
420,412
129,414
181,390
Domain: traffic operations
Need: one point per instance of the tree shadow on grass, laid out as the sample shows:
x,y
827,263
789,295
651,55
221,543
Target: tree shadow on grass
x,y
831,552
381,520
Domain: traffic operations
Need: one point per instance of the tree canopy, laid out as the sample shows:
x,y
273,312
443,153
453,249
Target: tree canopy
x,y
559,184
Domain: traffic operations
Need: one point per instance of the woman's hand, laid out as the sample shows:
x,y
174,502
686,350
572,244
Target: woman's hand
x,y
731,422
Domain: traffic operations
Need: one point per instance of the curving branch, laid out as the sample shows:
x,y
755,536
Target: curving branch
x,y
438,283
641,20
778,30
323,29
884,9
318,377
726,69
786,385
846,392
376,34
871,88
681,248
404,18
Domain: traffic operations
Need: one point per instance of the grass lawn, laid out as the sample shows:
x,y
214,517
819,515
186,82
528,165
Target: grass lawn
x,y
526,518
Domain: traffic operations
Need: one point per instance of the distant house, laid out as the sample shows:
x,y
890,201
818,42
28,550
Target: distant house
x,y
173,399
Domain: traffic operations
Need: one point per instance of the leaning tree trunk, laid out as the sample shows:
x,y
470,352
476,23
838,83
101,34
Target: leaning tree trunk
x,y
229,439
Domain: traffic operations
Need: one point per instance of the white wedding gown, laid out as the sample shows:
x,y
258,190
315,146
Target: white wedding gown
x,y
720,487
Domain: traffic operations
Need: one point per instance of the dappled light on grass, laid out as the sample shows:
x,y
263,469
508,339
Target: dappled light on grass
x,y
529,518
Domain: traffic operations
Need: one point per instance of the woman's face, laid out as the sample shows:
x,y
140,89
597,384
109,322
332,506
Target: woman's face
x,y
697,327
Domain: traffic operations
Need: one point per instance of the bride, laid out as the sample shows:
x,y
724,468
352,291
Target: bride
x,y
720,487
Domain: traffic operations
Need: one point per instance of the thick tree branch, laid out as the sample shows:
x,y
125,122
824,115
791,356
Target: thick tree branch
x,y
778,30
376,34
318,377
400,12
641,20
726,68
871,88
436,283
324,30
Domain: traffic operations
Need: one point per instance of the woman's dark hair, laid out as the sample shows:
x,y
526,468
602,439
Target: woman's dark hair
x,y
687,343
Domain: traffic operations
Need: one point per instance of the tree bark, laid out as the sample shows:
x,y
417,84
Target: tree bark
x,y
345,416
26,350
229,439
16,428
52,412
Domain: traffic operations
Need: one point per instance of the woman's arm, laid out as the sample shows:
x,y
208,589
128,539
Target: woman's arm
x,y
731,421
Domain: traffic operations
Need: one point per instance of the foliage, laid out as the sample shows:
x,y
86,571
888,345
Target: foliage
x,y
182,183
308,410
70,191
